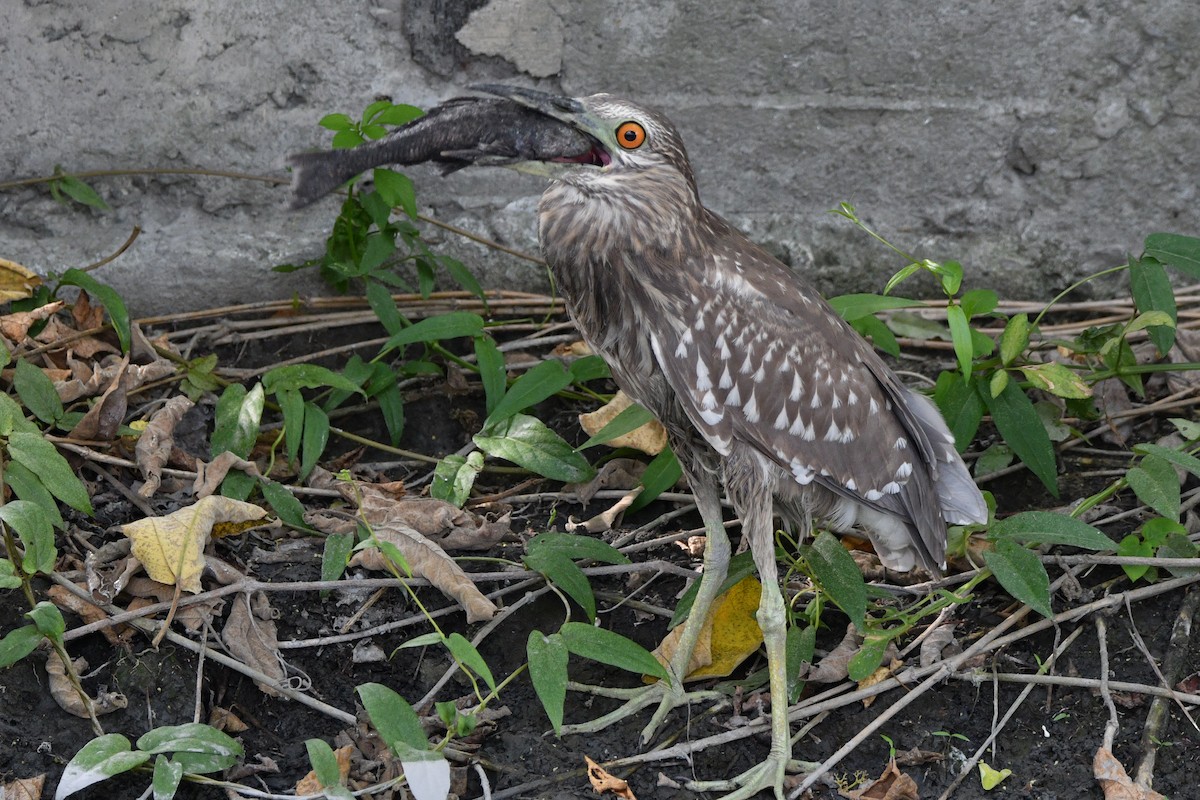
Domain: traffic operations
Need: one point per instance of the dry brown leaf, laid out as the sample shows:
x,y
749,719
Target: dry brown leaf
x,y
603,782
16,326
193,616
250,637
88,612
23,788
68,699
153,447
109,568
210,475
309,783
939,644
427,560
891,785
86,315
16,283
606,519
1115,782
619,473
881,674
171,548
225,720
650,438
835,666
87,380
103,419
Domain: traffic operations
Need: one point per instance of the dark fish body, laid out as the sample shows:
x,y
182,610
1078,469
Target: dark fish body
x,y
457,133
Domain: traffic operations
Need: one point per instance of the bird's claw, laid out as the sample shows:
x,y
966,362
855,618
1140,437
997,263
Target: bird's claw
x,y
668,696
768,774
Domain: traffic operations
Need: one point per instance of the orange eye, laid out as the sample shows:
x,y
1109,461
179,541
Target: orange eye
x,y
631,135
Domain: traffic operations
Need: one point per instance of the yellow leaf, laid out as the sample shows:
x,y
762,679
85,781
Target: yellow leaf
x,y
650,438
16,282
171,548
730,633
990,778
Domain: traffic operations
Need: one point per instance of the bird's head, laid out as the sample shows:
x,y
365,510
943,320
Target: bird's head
x,y
626,137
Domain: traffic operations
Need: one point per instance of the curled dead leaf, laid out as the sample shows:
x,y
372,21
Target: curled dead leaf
x,y
250,636
602,781
24,788
891,785
153,447
63,691
88,612
16,326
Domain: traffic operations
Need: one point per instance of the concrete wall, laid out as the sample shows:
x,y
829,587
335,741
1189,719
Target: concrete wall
x,y
1032,140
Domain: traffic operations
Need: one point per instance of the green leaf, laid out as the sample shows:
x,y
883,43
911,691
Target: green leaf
x,y
107,297
576,547
335,556
951,273
492,372
291,403
526,441
443,326
798,651
979,301
1019,424
1178,458
463,276
1015,338
914,326
336,122
454,476
564,573
1177,545
198,747
324,762
48,620
379,298
1152,291
12,417
1150,319
285,504
1057,380
466,653
168,775
19,642
855,306
879,334
1045,527
316,436
397,190
543,381
32,525
398,114
869,656
306,376
960,334
589,368
392,716
610,648
961,406
900,277
42,458
837,573
1156,484
1021,574
662,473
998,383
1181,252
548,671
630,418
98,760
37,392
238,415
1133,546
9,579
995,458
80,192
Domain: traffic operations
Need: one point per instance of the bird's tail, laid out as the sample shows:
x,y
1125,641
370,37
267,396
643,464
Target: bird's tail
x,y
960,499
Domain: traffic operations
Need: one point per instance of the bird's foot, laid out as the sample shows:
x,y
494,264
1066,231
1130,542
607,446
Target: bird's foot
x,y
668,696
768,775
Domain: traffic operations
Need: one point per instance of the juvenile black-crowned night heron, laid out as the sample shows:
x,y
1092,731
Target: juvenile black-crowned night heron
x,y
764,390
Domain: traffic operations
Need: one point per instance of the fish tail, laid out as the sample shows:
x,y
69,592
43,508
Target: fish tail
x,y
316,174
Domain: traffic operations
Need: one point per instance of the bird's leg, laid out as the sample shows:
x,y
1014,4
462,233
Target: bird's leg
x,y
769,774
670,695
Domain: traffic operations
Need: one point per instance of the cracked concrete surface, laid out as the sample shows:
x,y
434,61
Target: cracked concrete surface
x,y
1032,141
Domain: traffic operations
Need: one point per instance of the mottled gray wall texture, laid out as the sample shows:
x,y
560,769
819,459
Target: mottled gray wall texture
x,y
1034,141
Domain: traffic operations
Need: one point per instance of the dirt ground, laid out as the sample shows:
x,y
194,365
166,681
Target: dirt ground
x,y
1049,744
